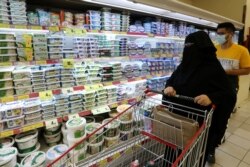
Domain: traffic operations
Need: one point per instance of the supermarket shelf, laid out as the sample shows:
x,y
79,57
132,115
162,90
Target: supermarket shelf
x,y
28,127
79,31
57,61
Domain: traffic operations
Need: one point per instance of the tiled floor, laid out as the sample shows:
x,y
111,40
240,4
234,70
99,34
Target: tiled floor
x,y
235,152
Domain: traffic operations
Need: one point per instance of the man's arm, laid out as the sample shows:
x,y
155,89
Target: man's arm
x,y
242,71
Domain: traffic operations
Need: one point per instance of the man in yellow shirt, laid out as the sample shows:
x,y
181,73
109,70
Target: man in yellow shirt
x,y
235,60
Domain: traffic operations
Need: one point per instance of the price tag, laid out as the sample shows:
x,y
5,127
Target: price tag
x,y
20,26
36,28
41,62
68,63
150,35
68,31
95,31
100,110
54,28
6,133
22,97
103,163
46,95
67,90
7,99
6,64
78,31
34,126
73,116
51,123
3,25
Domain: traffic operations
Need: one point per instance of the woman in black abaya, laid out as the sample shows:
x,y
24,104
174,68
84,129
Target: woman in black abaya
x,y
200,75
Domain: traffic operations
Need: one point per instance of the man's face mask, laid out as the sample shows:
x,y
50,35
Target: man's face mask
x,y
221,39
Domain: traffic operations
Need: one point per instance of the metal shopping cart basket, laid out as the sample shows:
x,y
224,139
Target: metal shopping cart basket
x,y
155,136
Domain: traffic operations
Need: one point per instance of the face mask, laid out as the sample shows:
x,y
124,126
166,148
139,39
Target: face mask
x,y
221,39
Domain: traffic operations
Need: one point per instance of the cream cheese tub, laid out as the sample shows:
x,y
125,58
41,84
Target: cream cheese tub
x,y
98,136
53,138
13,109
128,115
56,151
125,135
38,145
7,142
126,125
26,142
76,127
77,156
111,141
31,105
95,148
35,159
8,157
52,131
112,129
73,141
15,122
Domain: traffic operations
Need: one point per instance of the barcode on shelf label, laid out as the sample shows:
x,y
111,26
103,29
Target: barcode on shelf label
x,y
51,123
6,133
68,63
46,95
67,90
100,110
73,116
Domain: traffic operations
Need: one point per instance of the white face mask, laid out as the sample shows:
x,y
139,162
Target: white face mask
x,y
221,39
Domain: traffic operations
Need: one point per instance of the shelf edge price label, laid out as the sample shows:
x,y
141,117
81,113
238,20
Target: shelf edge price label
x,y
6,133
46,95
22,97
34,126
100,110
73,116
103,163
54,28
68,63
5,64
51,123
7,99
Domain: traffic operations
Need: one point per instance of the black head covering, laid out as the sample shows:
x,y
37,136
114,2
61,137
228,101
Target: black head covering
x,y
198,49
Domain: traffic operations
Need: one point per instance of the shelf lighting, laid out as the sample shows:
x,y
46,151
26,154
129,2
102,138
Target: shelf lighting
x,y
132,5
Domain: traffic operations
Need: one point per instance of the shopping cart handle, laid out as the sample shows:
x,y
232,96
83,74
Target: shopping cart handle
x,y
177,96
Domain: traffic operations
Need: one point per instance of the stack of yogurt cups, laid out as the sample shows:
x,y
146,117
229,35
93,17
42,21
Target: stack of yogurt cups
x,y
4,15
18,12
53,136
75,133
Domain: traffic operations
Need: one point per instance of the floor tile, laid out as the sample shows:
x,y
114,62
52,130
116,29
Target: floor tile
x,y
237,140
226,160
213,165
242,133
233,150
247,121
239,117
231,129
234,123
247,158
245,127
228,134
243,164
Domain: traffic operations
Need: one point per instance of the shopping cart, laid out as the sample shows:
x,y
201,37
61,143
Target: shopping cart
x,y
152,139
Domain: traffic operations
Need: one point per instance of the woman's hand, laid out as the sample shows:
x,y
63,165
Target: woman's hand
x,y
169,91
202,100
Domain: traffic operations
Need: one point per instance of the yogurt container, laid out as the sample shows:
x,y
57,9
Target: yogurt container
x,y
78,155
22,155
52,131
22,82
12,109
95,148
33,115
98,136
112,129
35,159
31,105
76,127
8,157
128,115
72,141
23,90
26,142
125,135
15,122
33,119
53,138
126,125
111,141
6,142
56,151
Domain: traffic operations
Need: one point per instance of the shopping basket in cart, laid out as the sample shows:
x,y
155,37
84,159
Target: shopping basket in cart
x,y
155,136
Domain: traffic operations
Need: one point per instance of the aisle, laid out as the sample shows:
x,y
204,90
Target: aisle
x,y
235,152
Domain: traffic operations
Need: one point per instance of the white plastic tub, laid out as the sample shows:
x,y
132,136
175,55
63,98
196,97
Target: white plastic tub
x,y
7,142
56,151
95,148
111,141
76,127
37,147
26,142
53,138
128,115
112,129
35,159
8,157
72,141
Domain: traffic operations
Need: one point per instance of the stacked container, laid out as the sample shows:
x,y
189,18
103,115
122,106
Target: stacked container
x,y
24,44
18,12
40,47
55,47
48,110
8,52
5,75
52,78
95,19
79,19
61,104
22,81
38,80
67,78
4,12
32,110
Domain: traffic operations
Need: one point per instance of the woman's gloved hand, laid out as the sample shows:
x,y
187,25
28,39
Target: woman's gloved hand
x,y
202,100
169,91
